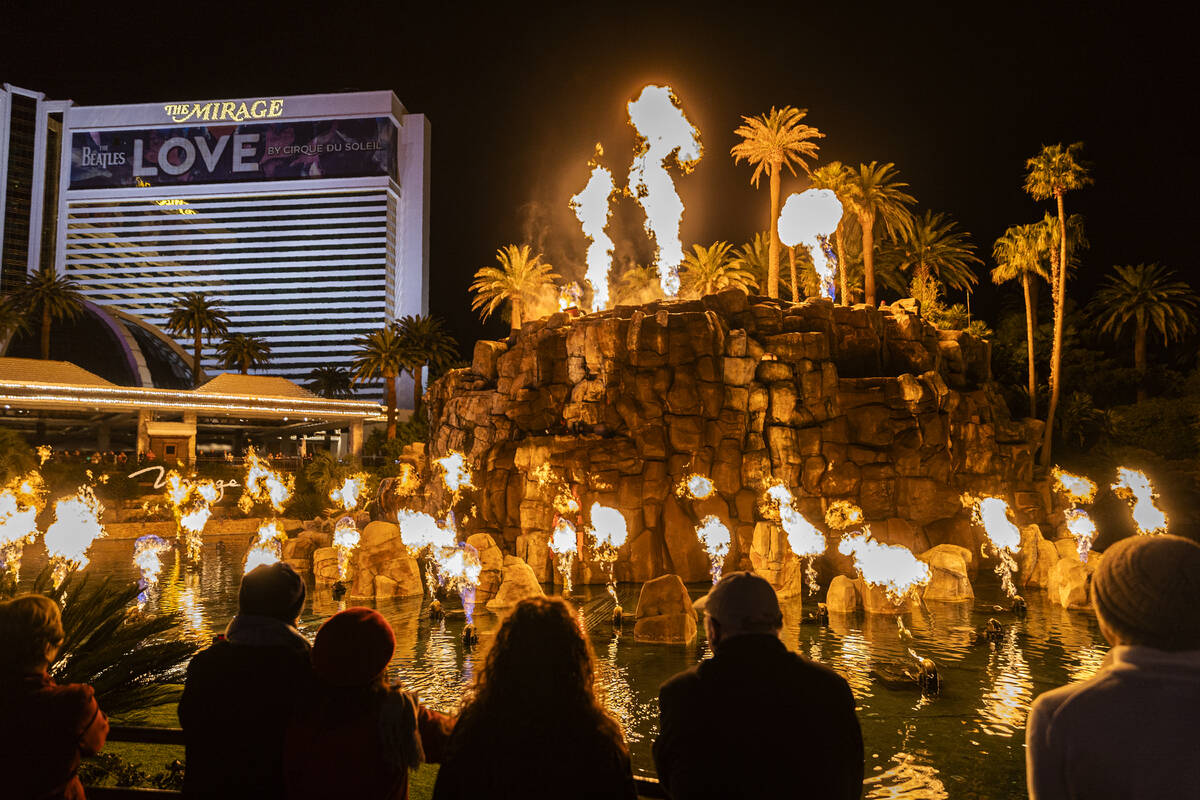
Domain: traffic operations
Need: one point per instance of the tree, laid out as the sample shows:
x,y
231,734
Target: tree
x,y
638,284
381,355
425,342
709,269
1020,255
50,296
835,176
521,273
1052,173
241,352
769,143
755,257
197,316
932,248
876,195
1148,299
13,319
332,382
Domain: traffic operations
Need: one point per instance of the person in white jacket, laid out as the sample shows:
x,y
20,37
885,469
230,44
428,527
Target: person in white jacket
x,y
1133,729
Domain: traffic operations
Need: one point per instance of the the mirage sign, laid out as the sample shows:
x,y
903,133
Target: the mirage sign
x,y
343,148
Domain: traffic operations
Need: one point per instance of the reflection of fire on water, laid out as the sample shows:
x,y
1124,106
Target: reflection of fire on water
x,y
20,503
264,485
345,539
352,490
714,537
1077,489
892,568
1134,486
267,547
991,513
609,531
805,540
76,525
564,543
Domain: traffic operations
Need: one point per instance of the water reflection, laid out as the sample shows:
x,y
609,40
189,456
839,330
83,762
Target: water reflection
x,y
967,742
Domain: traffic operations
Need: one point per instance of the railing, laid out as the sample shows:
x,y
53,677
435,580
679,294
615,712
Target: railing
x,y
646,787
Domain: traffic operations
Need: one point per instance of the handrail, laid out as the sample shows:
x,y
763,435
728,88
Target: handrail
x,y
646,787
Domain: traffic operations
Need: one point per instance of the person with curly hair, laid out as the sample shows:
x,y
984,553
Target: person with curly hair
x,y
532,727
45,729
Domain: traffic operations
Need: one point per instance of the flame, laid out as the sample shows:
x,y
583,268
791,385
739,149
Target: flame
x,y
455,472
352,490
1083,528
264,485
1075,488
609,531
458,568
715,538
76,525
1135,487
697,487
842,514
807,219
563,543
570,296
991,513
806,541
44,452
267,548
20,503
191,501
593,209
663,131
419,530
892,567
146,555
345,539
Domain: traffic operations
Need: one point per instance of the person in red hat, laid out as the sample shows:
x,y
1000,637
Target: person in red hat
x,y
356,735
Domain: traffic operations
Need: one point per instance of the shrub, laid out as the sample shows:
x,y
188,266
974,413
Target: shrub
x,y
1169,426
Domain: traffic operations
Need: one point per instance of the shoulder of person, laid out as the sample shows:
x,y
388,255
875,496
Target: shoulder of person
x,y
1072,698
682,683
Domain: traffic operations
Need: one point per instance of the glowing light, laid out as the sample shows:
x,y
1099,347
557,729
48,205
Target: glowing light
x,y
458,568
264,485
147,552
44,452
806,541
564,543
697,487
715,538
609,531
1076,488
345,539
593,208
663,132
352,490
1134,486
808,218
570,296
419,530
20,503
1083,529
191,502
267,547
891,567
455,473
76,525
842,515
991,513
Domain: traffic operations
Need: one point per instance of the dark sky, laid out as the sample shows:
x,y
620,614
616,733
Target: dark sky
x,y
517,94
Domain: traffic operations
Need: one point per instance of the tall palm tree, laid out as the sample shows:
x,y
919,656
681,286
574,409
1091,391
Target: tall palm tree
x,y
769,143
835,176
1147,298
381,355
1053,172
425,341
876,195
1020,255
331,381
710,269
521,273
241,352
933,248
197,316
50,296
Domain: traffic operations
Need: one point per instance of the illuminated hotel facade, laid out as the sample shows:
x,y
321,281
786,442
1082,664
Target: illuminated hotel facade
x,y
305,218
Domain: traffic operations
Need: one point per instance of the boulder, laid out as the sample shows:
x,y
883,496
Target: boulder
x,y
948,574
325,565
1068,585
842,597
1035,559
491,560
664,612
876,601
517,583
688,559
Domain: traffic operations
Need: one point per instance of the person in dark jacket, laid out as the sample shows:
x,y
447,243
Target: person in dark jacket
x,y
532,727
756,720
357,736
240,692
45,729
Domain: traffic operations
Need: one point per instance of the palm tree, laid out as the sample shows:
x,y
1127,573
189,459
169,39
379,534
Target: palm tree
x,y
330,381
932,248
198,317
755,257
638,284
51,296
520,274
425,342
381,355
770,142
1020,254
241,352
1053,172
876,196
835,176
709,269
1146,297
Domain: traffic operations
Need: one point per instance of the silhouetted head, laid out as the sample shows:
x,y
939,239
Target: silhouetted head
x,y
31,630
740,603
1146,591
353,648
272,590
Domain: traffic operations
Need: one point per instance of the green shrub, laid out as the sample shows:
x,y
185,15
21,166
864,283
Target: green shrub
x,y
16,456
1169,426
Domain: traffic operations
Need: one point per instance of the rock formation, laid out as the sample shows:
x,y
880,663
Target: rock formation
x,y
664,612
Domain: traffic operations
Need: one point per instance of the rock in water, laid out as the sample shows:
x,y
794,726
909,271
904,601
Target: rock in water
x,y
843,596
948,574
517,582
664,612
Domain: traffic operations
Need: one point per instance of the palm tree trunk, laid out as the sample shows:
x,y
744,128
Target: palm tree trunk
x,y
868,230
45,331
1029,327
196,361
516,314
389,398
1060,296
773,229
839,239
1139,359
416,373
792,269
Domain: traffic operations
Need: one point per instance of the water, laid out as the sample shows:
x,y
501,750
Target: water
x,y
967,743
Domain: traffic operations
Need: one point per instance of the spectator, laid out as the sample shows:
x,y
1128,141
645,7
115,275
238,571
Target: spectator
x,y
45,729
356,736
239,693
756,720
1130,730
531,726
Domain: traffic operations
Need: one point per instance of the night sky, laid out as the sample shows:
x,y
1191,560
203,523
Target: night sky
x,y
956,97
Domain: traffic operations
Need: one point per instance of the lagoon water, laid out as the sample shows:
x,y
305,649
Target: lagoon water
x,y
967,743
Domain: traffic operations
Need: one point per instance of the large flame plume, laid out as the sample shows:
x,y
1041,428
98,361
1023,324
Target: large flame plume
x,y
593,207
267,547
1083,529
76,525
345,539
1077,489
564,543
842,515
351,492
424,538
806,541
1134,486
147,557
891,567
609,531
714,538
663,132
697,487
991,513
455,472
20,503
458,569
264,485
808,218
191,501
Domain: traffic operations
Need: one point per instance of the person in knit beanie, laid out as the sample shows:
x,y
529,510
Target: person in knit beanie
x,y
1129,731
358,736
